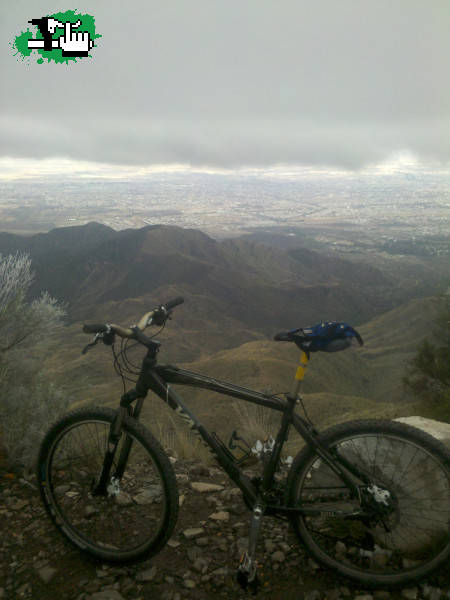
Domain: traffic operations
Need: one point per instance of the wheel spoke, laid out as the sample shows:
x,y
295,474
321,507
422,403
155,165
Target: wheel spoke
x,y
132,518
397,541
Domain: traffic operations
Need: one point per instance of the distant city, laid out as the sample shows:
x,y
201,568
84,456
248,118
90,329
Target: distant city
x,y
394,207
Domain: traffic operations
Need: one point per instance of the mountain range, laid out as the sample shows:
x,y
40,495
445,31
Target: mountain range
x,y
102,273
238,293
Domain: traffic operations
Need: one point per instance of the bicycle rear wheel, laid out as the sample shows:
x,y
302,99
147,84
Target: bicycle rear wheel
x,y
136,515
405,540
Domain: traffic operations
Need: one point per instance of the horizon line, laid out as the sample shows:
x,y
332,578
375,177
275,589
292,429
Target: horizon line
x,y
12,169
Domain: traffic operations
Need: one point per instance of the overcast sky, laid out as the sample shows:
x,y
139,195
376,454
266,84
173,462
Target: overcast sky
x,y
230,83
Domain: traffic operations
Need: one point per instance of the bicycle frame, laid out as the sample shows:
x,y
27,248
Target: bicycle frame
x,y
160,378
379,487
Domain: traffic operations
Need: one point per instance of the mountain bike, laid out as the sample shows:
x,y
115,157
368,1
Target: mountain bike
x,y
368,498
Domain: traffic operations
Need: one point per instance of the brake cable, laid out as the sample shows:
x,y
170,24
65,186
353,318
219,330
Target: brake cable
x,y
121,362
126,364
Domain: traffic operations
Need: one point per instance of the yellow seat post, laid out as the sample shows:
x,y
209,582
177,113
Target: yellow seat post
x,y
299,375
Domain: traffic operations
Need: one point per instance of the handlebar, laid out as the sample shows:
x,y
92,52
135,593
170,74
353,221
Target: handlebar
x,y
158,316
172,303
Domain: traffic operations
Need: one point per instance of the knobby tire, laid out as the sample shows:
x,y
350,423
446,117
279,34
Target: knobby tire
x,y
408,542
136,517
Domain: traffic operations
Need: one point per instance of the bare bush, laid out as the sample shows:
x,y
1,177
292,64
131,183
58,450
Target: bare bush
x,y
27,412
29,402
21,320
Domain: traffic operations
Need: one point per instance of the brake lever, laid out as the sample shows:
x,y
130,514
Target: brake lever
x,y
92,344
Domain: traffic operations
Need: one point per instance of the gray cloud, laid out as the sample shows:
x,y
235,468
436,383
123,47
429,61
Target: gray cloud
x,y
248,82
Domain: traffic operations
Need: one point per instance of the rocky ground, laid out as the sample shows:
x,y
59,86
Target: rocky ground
x,y
198,563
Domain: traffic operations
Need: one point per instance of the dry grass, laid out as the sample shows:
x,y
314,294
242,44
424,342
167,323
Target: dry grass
x,y
256,422
174,434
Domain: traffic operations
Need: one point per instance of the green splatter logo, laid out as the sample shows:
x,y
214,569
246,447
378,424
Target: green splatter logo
x,y
61,37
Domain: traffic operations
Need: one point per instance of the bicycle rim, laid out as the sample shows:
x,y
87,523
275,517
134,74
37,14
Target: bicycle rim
x,y
129,519
404,544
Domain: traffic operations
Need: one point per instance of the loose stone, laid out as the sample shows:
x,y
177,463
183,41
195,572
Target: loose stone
x,y
193,532
220,516
200,565
193,553
147,575
202,541
20,504
123,499
101,573
200,486
149,495
46,573
199,470
182,478
220,572
278,556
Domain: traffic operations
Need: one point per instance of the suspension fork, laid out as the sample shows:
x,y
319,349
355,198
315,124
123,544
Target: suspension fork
x,y
128,442
115,433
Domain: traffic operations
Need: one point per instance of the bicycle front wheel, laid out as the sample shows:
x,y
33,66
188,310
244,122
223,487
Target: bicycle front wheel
x,y
135,516
404,534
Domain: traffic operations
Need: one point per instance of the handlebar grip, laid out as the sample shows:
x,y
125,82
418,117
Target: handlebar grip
x,y
173,303
94,328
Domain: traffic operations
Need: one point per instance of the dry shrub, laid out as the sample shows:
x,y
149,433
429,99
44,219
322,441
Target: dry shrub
x,y
29,403
27,411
